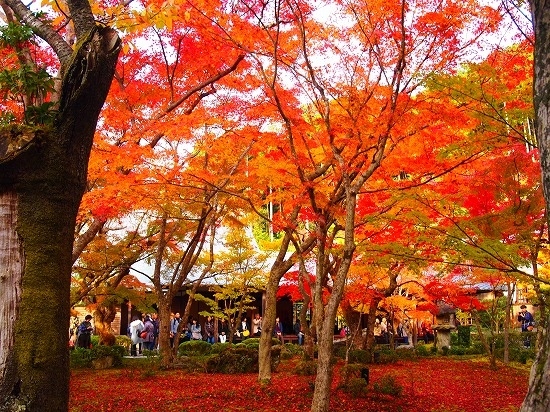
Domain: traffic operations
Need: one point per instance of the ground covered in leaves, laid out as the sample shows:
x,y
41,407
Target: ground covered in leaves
x,y
428,385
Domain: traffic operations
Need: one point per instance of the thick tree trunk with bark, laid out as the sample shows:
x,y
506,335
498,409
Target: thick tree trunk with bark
x,y
353,320
42,179
104,315
166,353
538,396
268,322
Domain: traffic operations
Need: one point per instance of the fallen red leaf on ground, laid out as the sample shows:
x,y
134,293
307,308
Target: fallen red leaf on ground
x,y
432,384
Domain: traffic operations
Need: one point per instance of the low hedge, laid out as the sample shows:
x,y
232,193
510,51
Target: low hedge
x,y
86,358
194,347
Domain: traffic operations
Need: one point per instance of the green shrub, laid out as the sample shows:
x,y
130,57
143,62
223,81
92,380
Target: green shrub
x,y
358,356
293,349
388,356
406,352
350,371
94,339
252,342
306,368
124,341
388,385
219,347
81,358
463,335
84,358
516,354
356,387
237,359
285,353
339,349
444,350
454,338
251,345
194,347
422,350
275,342
476,348
457,350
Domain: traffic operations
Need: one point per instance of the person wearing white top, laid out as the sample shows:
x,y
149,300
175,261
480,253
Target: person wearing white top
x,y
136,326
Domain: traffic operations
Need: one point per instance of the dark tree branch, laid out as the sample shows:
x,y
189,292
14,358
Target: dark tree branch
x,y
43,30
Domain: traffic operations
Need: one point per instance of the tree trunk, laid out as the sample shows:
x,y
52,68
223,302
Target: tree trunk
x,y
268,322
507,322
165,350
323,380
103,317
353,320
41,184
538,395
488,349
368,341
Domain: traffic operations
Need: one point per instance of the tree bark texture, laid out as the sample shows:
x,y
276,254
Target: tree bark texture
x,y
323,380
104,315
11,273
538,395
268,322
41,185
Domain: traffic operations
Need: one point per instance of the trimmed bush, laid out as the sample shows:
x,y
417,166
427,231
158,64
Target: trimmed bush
x,y
86,358
358,356
388,356
194,347
292,349
237,359
457,350
356,387
350,371
422,350
388,385
306,368
219,347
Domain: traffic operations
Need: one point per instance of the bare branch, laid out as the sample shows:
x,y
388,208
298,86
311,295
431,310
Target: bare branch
x,y
41,29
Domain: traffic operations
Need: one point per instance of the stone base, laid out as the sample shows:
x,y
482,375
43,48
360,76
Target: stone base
x,y
443,339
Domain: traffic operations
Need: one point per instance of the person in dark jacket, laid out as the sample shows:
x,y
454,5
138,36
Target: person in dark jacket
x,y
149,328
209,329
84,339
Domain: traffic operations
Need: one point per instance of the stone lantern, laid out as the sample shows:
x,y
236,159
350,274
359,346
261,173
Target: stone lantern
x,y
445,322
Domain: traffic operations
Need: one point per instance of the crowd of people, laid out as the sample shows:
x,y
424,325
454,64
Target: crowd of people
x,y
144,331
403,332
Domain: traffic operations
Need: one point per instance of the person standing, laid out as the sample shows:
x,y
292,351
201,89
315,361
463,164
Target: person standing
x,y
195,330
525,318
278,329
135,328
223,330
298,332
257,325
244,328
209,329
84,339
149,328
156,324
174,323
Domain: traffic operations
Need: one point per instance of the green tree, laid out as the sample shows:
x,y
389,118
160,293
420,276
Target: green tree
x,y
240,271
